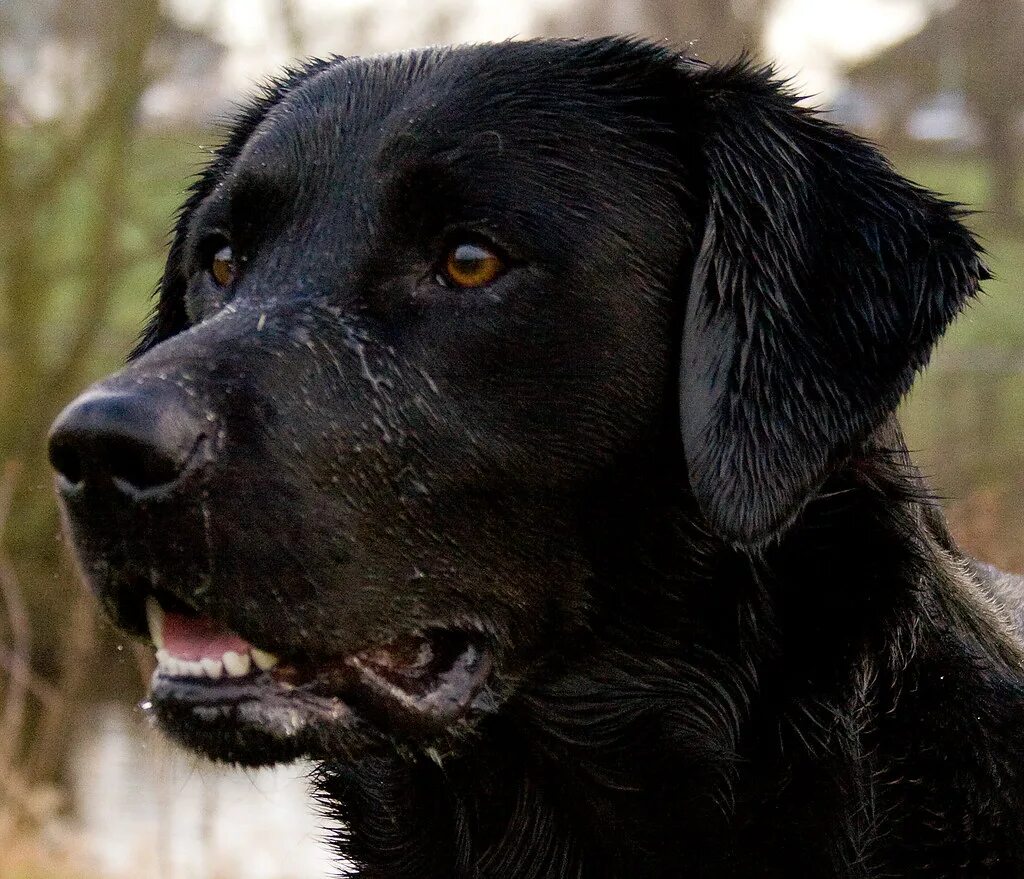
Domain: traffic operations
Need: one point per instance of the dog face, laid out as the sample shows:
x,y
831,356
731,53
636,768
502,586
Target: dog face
x,y
419,314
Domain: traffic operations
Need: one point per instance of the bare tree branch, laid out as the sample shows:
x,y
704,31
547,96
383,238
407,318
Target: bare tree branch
x,y
6,178
13,714
15,667
47,746
93,307
96,150
72,147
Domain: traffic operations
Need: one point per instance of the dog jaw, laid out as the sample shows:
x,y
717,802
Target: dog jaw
x,y
214,691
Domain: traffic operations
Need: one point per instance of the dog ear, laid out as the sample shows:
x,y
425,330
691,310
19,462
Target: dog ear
x,y
820,286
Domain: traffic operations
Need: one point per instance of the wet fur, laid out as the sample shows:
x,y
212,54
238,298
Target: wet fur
x,y
774,661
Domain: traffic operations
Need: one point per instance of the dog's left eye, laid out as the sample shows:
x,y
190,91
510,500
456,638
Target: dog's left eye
x,y
223,268
467,265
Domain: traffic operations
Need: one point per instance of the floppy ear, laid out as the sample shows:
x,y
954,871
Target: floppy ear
x,y
820,286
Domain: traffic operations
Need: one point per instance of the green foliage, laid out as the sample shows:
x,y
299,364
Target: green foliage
x,y
159,166
996,319
964,420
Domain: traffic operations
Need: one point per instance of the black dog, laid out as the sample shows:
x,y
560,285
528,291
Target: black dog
x,y
514,436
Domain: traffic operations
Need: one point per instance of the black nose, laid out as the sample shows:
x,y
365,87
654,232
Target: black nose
x,y
137,440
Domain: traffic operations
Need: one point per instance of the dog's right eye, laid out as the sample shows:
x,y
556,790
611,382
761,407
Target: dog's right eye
x,y
468,264
222,267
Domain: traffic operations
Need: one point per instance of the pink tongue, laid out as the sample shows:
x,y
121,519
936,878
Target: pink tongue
x,y
195,638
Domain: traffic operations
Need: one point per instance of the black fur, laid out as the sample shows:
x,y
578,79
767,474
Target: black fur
x,y
656,461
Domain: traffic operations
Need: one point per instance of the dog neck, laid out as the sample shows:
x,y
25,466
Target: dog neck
x,y
651,722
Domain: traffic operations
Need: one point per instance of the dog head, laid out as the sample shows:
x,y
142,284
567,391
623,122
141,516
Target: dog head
x,y
417,309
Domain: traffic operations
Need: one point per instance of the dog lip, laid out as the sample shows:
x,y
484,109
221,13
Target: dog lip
x,y
435,675
225,711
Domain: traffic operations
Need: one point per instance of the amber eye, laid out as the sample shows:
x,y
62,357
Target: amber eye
x,y
222,266
471,265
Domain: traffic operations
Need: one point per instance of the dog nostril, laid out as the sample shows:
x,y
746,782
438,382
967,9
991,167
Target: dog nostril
x,y
65,460
138,465
133,440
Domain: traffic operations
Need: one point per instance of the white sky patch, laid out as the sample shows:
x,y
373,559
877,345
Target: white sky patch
x,y
254,31
807,38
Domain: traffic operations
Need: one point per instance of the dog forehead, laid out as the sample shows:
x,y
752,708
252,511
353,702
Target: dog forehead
x,y
332,112
370,113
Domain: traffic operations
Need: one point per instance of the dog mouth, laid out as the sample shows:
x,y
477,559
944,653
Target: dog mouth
x,y
220,694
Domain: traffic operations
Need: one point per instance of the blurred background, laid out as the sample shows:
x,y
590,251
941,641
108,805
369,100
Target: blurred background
x,y
106,109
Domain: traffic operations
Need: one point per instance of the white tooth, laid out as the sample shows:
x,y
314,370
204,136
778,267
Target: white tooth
x,y
214,668
194,669
171,666
236,664
155,618
161,658
264,661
